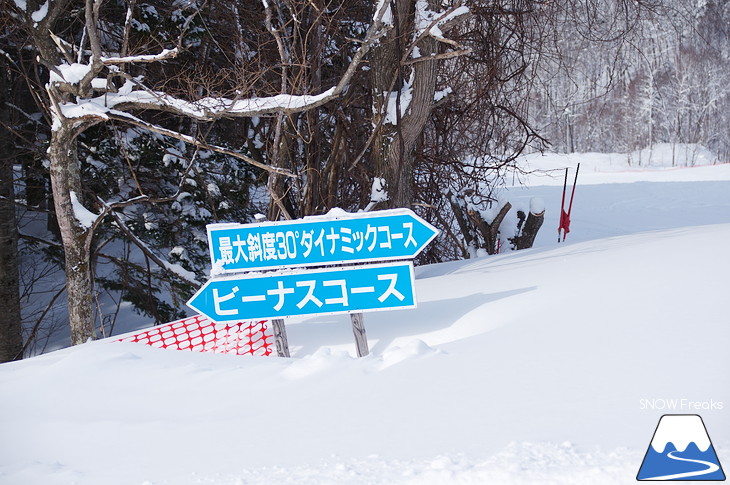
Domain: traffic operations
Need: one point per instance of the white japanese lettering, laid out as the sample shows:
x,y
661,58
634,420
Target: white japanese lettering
x,y
309,242
217,300
410,239
359,236
393,278
386,243
332,236
310,284
371,230
342,299
226,250
280,291
362,289
254,247
240,252
346,238
267,241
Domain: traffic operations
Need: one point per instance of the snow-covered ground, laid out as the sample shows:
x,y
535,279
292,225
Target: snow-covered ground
x,y
548,366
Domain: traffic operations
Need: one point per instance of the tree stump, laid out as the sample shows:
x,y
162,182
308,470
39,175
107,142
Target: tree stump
x,y
529,230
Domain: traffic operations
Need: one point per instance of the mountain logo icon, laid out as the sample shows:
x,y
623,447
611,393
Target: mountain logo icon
x,y
681,450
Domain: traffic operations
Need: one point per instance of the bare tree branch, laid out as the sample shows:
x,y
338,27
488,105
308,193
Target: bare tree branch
x,y
126,117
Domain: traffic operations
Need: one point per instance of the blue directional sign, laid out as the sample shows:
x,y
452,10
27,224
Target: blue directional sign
x,y
336,238
282,294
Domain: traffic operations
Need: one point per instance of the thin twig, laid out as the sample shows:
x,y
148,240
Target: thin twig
x,y
38,322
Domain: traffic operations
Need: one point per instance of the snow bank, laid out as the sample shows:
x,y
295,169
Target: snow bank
x,y
663,163
504,361
537,366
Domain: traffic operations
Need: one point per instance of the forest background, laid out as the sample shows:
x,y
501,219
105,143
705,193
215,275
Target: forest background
x,y
127,126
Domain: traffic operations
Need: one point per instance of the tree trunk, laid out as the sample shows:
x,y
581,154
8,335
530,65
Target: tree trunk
x,y
490,231
312,194
408,92
11,336
458,207
65,178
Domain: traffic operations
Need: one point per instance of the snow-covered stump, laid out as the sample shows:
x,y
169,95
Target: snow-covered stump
x,y
482,228
528,230
490,231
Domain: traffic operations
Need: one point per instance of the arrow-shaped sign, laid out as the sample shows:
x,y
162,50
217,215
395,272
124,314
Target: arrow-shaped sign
x,y
326,291
336,238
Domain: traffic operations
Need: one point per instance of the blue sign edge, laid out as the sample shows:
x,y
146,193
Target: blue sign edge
x,y
333,215
294,271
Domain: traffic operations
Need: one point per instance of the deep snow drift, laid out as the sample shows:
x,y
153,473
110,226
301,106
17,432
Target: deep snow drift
x,y
549,365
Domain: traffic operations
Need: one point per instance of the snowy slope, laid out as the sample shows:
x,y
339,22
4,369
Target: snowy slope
x,y
528,367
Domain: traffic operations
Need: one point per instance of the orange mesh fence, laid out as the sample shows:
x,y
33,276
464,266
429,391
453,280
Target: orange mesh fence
x,y
199,334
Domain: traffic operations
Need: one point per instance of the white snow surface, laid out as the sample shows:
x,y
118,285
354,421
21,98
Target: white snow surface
x,y
529,367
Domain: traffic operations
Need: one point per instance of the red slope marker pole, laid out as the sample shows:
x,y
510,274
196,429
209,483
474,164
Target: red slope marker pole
x,y
570,206
562,203
572,194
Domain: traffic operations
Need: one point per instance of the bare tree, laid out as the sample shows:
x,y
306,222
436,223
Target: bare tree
x,y
480,125
91,82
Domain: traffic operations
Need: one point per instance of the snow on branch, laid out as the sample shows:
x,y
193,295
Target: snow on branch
x,y
165,54
80,80
429,24
84,216
211,108
135,96
205,109
69,73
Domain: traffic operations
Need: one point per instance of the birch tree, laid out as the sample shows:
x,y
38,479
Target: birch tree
x,y
92,81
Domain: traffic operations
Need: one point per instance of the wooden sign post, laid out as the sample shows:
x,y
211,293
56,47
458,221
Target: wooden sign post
x,y
358,329
282,345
